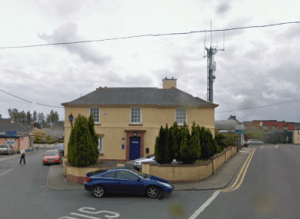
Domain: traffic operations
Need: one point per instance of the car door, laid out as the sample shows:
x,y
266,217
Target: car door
x,y
109,182
128,183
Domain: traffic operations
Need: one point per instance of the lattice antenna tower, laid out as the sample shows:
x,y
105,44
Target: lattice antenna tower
x,y
211,64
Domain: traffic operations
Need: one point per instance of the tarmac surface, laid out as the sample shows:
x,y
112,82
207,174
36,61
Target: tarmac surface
x,y
221,178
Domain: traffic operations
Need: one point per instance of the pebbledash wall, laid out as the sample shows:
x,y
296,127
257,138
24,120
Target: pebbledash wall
x,y
115,125
189,173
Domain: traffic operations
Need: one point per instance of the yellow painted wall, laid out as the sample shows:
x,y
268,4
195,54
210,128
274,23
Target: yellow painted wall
x,y
296,136
117,119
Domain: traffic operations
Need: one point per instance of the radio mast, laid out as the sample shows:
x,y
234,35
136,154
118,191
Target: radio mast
x,y
211,64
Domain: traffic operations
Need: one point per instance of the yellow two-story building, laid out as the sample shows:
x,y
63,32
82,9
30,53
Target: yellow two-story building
x,y
128,120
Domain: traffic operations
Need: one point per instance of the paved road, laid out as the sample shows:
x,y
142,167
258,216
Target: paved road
x,y
269,189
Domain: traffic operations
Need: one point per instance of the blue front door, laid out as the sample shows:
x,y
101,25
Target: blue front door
x,y
135,148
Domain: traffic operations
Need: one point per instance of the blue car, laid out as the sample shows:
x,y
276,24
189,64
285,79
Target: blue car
x,y
125,181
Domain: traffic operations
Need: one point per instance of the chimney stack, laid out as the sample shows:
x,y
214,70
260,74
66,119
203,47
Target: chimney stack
x,y
169,83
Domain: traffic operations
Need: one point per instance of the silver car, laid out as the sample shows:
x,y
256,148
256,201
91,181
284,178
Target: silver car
x,y
254,141
6,149
138,164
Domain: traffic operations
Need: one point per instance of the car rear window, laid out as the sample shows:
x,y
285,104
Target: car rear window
x,y
3,146
51,154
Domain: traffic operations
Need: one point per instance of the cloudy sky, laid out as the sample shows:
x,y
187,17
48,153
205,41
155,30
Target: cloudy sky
x,y
259,67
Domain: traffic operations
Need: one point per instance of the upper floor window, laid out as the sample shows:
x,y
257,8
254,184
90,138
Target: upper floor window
x,y
275,127
285,127
181,116
96,113
265,127
136,115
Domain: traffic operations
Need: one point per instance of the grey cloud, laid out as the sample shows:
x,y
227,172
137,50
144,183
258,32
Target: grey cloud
x,y
69,33
223,8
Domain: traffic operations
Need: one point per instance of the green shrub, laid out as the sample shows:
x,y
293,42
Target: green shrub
x,y
230,139
94,147
169,155
190,149
176,140
160,146
81,143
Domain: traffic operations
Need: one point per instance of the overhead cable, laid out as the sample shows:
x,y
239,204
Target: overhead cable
x,y
147,35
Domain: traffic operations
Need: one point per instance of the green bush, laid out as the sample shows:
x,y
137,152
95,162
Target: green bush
x,y
190,149
230,139
169,155
94,147
160,147
81,144
220,139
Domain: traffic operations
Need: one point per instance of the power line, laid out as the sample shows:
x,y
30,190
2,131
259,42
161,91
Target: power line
x,y
15,96
259,106
148,35
29,101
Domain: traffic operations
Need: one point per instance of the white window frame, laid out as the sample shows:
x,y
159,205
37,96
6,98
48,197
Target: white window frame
x,y
275,127
100,144
131,122
266,127
285,127
186,115
96,122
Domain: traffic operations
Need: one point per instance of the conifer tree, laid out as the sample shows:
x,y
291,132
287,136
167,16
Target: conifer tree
x,y
160,147
176,140
184,145
94,147
168,145
80,144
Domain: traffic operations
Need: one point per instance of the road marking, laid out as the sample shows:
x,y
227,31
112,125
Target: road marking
x,y
5,172
202,207
245,151
276,146
262,146
244,169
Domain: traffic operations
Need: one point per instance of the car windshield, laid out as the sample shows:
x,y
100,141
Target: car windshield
x,y
51,153
140,174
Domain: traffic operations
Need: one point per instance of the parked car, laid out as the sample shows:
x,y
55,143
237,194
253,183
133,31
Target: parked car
x,y
52,157
138,164
254,141
125,181
6,149
60,149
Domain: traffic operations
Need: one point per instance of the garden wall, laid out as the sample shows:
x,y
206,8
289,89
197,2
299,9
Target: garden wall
x,y
182,173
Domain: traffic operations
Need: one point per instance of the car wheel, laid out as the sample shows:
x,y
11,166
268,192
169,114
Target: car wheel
x,y
98,191
152,192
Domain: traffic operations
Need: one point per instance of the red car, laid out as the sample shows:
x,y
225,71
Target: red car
x,y
52,156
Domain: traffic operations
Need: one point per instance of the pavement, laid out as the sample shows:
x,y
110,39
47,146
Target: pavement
x,y
221,178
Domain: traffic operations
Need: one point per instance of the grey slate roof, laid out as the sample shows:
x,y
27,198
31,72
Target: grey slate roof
x,y
4,126
5,120
140,96
228,124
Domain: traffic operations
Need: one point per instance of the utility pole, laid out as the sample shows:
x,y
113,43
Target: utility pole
x,y
211,66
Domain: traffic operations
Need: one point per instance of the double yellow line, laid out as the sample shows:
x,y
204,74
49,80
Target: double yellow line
x,y
243,170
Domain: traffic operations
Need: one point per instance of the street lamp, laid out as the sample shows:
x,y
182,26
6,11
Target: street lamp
x,y
71,119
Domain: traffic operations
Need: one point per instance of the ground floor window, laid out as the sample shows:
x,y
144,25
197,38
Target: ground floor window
x,y
100,144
